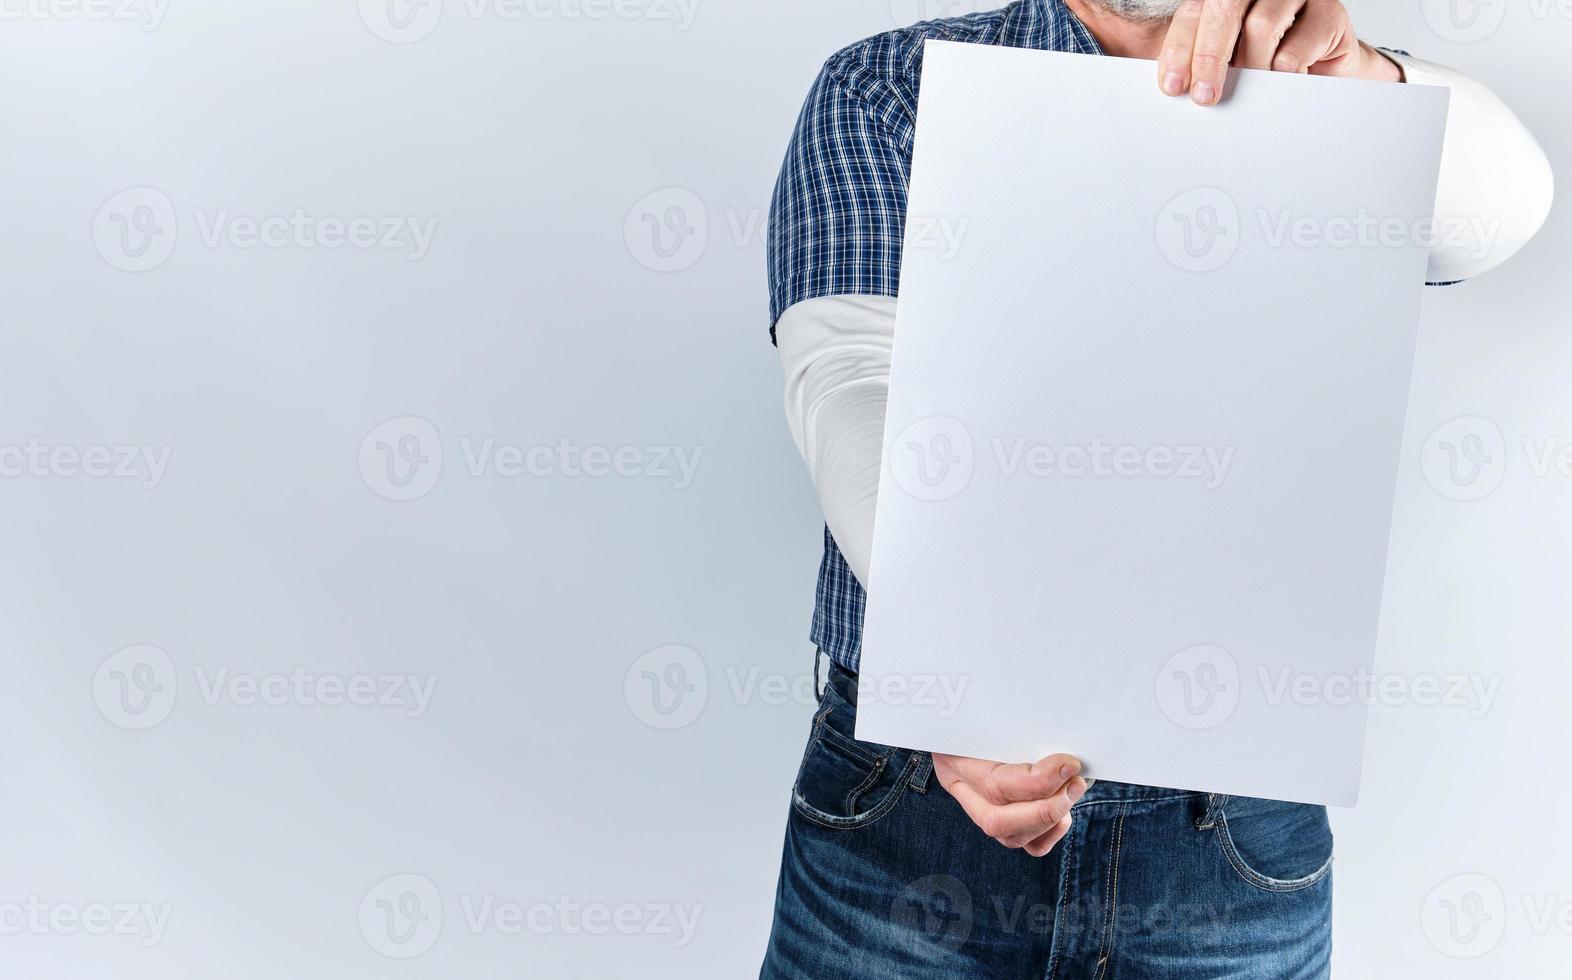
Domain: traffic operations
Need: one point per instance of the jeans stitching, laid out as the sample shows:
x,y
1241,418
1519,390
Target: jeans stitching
x,y
1067,856
809,812
1255,878
1105,952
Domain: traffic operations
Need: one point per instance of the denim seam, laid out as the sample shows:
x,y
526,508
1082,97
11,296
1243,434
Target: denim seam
x,y
1088,804
824,732
864,786
1067,855
1105,950
861,820
1255,878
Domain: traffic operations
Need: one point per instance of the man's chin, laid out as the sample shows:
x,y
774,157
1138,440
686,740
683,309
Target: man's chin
x,y
1139,9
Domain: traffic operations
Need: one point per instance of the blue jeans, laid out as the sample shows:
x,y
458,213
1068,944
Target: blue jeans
x,y
884,876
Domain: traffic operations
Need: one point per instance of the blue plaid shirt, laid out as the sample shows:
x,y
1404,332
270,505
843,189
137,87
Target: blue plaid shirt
x,y
839,211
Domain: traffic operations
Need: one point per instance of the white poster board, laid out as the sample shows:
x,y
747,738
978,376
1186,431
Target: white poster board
x,y
1145,420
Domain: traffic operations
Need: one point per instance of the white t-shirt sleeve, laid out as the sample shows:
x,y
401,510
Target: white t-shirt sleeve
x,y
836,355
1496,184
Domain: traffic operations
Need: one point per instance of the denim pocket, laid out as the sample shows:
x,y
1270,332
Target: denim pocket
x,y
845,784
1277,847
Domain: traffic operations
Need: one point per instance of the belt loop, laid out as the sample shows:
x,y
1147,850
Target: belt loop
x,y
1214,809
817,691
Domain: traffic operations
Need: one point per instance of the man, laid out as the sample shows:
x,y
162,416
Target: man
x,y
898,864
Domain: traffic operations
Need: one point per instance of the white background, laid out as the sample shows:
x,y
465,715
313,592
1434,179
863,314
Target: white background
x,y
537,771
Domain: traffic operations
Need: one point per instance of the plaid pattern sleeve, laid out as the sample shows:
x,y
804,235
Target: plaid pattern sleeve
x,y
839,209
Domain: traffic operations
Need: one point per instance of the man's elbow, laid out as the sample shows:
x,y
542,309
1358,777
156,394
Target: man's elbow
x,y
1512,190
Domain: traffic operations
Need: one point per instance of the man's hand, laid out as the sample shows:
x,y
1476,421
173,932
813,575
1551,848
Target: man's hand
x,y
1019,806
1304,36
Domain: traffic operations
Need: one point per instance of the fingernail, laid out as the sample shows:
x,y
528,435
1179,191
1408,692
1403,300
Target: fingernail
x,y
1065,772
1205,93
1077,790
1173,83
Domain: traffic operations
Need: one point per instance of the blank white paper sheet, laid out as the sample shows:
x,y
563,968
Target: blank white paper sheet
x,y
1150,376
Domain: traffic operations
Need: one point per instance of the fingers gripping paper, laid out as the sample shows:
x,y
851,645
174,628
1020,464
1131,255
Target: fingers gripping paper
x,y
1144,421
